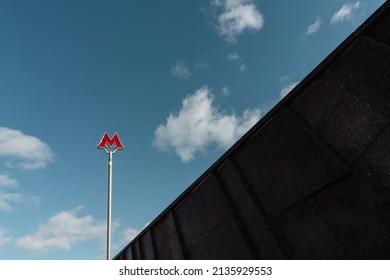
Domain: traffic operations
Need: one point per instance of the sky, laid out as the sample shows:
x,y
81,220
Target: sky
x,y
179,81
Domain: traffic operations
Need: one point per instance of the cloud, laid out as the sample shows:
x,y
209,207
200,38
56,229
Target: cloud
x,y
237,16
24,151
199,124
5,237
61,232
121,238
237,59
127,235
201,65
287,89
7,181
180,70
284,79
233,57
226,91
243,68
313,28
8,199
345,13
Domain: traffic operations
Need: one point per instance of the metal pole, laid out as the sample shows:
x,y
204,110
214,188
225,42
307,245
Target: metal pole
x,y
107,144
109,205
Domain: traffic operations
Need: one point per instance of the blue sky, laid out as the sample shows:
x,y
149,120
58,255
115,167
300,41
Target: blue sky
x,y
180,81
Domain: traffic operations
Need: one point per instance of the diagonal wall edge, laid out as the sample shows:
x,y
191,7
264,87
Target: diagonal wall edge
x,y
311,180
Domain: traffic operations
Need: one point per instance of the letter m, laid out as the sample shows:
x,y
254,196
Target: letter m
x,y
106,140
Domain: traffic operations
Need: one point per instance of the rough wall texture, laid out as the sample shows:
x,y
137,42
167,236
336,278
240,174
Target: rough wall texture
x,y
311,180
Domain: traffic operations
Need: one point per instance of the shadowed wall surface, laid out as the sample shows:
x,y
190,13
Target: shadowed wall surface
x,y
311,180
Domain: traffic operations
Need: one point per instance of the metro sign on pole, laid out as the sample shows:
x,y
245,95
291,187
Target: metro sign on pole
x,y
107,141
110,146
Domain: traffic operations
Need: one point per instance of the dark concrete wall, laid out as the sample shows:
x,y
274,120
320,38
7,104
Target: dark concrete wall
x,y
311,180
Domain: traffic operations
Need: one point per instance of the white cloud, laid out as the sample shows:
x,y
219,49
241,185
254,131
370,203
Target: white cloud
x,y
237,16
345,13
287,89
233,57
24,151
200,124
284,79
201,65
7,200
237,59
180,70
61,232
313,28
226,91
7,181
243,68
127,235
5,237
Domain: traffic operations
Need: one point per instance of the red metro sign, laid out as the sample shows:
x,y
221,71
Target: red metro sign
x,y
111,142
